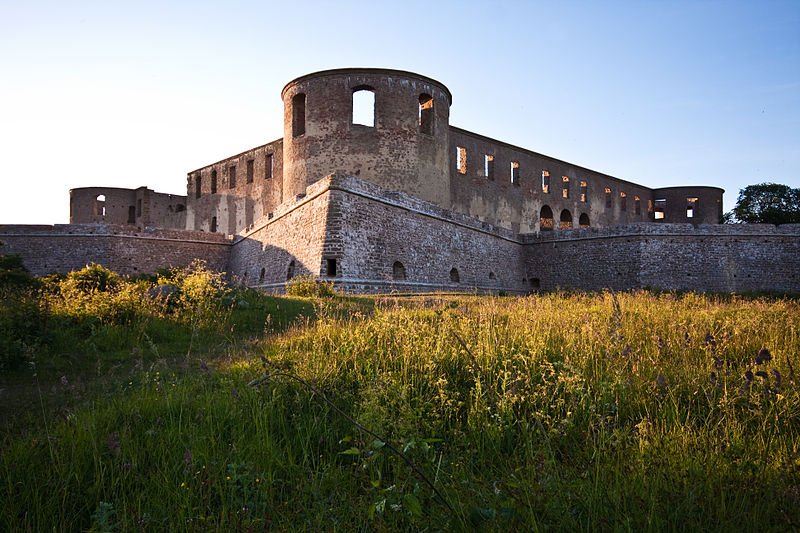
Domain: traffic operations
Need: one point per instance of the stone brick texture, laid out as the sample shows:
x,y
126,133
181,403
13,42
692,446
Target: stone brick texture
x,y
123,249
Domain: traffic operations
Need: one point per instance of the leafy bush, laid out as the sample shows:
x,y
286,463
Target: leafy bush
x,y
13,273
309,286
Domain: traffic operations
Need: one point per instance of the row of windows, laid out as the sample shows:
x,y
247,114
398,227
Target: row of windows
x,y
249,174
489,172
363,107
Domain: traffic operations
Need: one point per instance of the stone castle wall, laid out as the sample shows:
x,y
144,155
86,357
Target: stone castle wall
x,y
714,257
123,249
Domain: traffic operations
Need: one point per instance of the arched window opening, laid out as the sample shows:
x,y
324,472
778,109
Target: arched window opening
x,y
565,221
607,192
398,271
565,186
623,201
100,205
213,224
262,274
546,219
492,276
583,221
426,114
584,191
637,205
545,181
488,166
364,106
298,114
213,182
290,270
454,277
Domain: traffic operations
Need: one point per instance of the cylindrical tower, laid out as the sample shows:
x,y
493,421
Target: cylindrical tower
x,y
389,127
694,204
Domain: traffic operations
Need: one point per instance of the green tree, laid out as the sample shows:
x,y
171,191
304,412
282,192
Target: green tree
x,y
766,203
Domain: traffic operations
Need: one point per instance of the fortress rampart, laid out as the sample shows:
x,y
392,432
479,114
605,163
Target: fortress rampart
x,y
371,188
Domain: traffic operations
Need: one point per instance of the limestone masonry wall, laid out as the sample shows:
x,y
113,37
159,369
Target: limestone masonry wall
x,y
126,250
725,258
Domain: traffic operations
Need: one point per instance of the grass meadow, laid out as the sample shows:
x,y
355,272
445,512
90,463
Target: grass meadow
x,y
181,404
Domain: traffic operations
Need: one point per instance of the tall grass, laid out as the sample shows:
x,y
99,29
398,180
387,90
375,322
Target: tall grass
x,y
629,411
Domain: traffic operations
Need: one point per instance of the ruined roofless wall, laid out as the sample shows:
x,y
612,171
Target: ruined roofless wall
x,y
141,207
123,249
233,194
400,142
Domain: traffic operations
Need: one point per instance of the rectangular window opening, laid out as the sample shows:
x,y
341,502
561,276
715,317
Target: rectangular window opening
x,y
213,182
138,207
268,167
250,164
330,268
488,166
691,206
565,186
197,186
461,159
515,173
637,205
232,176
609,198
584,191
298,115
660,208
623,201
426,114
545,181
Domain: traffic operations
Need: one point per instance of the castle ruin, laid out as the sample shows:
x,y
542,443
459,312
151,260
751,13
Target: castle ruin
x,y
371,188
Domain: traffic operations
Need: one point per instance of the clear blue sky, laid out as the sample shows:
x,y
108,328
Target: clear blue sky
x,y
126,94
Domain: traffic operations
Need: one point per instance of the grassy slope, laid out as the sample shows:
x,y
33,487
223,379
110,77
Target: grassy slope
x,y
627,411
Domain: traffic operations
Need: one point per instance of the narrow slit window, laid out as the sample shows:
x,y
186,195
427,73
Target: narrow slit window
x,y
584,191
290,270
213,224
637,205
364,106
426,114
198,184
488,166
515,173
213,182
609,197
623,201
564,186
138,207
250,165
298,115
461,159
545,181
131,215
268,167
232,176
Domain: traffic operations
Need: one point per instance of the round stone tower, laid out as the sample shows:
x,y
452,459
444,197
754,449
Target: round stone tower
x,y
389,127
